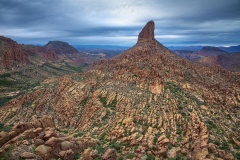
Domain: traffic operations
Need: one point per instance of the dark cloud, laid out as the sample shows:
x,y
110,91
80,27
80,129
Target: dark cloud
x,y
185,22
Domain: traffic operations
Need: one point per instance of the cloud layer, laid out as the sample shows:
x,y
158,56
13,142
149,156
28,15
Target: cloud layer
x,y
185,22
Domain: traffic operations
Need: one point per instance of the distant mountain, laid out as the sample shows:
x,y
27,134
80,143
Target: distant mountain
x,y
197,55
188,48
212,56
186,54
231,49
104,47
209,51
61,47
229,61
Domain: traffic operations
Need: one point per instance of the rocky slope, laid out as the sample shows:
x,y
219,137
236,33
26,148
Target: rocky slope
x,y
146,103
61,47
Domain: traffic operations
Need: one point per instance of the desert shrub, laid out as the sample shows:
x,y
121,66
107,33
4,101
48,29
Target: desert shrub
x,y
130,156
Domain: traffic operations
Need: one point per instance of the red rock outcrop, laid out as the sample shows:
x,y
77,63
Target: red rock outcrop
x,y
147,33
11,52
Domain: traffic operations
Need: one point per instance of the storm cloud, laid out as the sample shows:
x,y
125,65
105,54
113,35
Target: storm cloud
x,y
177,22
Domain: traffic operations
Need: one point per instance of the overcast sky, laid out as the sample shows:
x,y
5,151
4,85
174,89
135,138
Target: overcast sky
x,y
118,22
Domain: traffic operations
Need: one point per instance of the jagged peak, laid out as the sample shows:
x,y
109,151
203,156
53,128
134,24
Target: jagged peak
x,y
147,33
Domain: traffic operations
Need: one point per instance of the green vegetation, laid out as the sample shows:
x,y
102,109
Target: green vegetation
x,y
211,125
107,114
116,146
120,158
4,100
150,157
8,153
237,155
19,82
5,128
130,155
99,148
79,134
224,146
103,100
156,137
4,82
84,101
111,105
76,69
76,156
102,136
217,142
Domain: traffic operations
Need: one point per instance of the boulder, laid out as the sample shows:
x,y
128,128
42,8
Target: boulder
x,y
28,155
4,137
47,121
171,153
50,132
110,154
44,151
66,145
38,141
67,155
86,155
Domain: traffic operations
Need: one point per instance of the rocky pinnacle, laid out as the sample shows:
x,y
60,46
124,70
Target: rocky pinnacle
x,y
147,33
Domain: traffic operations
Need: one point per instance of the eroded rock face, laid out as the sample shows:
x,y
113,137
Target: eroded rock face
x,y
147,33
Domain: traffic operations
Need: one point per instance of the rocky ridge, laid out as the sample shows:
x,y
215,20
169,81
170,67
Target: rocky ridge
x,y
144,103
